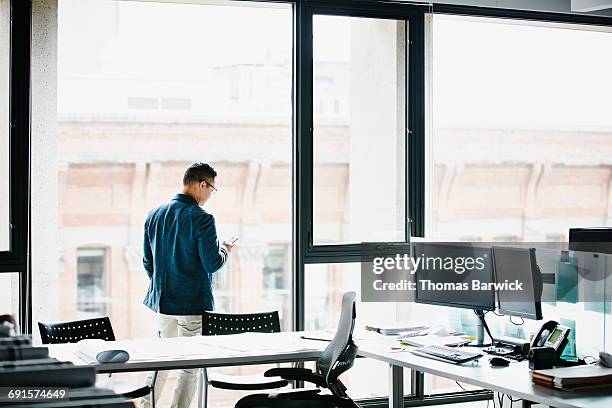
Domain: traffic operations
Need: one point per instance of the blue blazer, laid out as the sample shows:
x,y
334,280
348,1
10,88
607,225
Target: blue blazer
x,y
181,253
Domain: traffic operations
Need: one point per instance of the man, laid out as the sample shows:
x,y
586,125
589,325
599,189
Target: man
x,y
181,254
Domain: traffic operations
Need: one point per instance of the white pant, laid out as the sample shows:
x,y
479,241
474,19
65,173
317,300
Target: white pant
x,y
186,381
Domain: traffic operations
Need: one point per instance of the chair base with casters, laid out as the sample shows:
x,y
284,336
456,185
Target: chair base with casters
x,y
302,398
337,358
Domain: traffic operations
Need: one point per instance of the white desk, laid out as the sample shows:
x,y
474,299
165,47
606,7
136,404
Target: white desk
x,y
151,354
513,380
196,352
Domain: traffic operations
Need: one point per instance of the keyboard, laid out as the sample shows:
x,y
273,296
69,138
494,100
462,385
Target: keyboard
x,y
448,354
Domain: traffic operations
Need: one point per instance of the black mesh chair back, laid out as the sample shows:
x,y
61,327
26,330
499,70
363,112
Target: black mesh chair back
x,y
214,324
340,354
71,332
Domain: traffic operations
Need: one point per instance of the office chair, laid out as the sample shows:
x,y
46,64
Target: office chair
x,y
96,328
337,358
215,324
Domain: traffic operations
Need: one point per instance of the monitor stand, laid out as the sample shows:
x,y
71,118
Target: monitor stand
x,y
481,326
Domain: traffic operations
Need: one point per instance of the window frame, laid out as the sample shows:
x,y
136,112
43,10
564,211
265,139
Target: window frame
x,y
17,258
414,15
19,137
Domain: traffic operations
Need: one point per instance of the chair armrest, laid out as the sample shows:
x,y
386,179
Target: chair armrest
x,y
244,382
296,374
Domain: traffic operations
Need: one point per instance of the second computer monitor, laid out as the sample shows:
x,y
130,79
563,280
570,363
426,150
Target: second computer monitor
x,y
591,240
435,259
518,264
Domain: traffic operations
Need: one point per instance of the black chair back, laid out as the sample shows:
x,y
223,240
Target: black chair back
x,y
214,324
71,332
340,354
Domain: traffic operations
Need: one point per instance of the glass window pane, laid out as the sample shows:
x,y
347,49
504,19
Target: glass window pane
x,y
359,105
4,125
136,106
521,130
324,286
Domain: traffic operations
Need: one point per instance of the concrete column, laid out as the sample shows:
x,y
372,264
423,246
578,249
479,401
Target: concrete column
x,y
377,131
45,290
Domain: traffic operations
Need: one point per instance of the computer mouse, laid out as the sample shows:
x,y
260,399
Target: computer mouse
x,y
499,362
113,356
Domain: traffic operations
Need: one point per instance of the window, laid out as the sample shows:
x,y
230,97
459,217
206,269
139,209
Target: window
x,y
518,142
92,287
521,134
136,106
4,125
360,137
359,150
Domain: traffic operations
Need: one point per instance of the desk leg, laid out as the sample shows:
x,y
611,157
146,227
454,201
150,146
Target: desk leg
x,y
418,384
202,388
396,386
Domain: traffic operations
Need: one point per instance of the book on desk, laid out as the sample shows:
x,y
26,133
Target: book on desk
x,y
574,378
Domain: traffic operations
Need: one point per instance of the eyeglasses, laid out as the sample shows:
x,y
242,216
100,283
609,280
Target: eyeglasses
x,y
211,186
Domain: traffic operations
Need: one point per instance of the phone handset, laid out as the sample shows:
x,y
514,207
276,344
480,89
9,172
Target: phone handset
x,y
553,335
540,338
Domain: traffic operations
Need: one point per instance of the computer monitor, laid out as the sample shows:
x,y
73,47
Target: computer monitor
x,y
518,264
436,272
591,240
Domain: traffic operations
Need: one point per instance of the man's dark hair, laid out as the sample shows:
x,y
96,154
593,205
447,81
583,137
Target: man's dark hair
x,y
198,172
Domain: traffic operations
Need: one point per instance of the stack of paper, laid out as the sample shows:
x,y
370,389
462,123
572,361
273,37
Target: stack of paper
x,y
571,378
261,342
395,328
435,340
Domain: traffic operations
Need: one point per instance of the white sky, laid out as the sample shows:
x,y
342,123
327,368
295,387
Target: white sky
x,y
484,73
508,73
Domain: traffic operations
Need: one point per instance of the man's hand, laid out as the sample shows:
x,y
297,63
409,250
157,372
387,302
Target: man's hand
x,y
227,246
